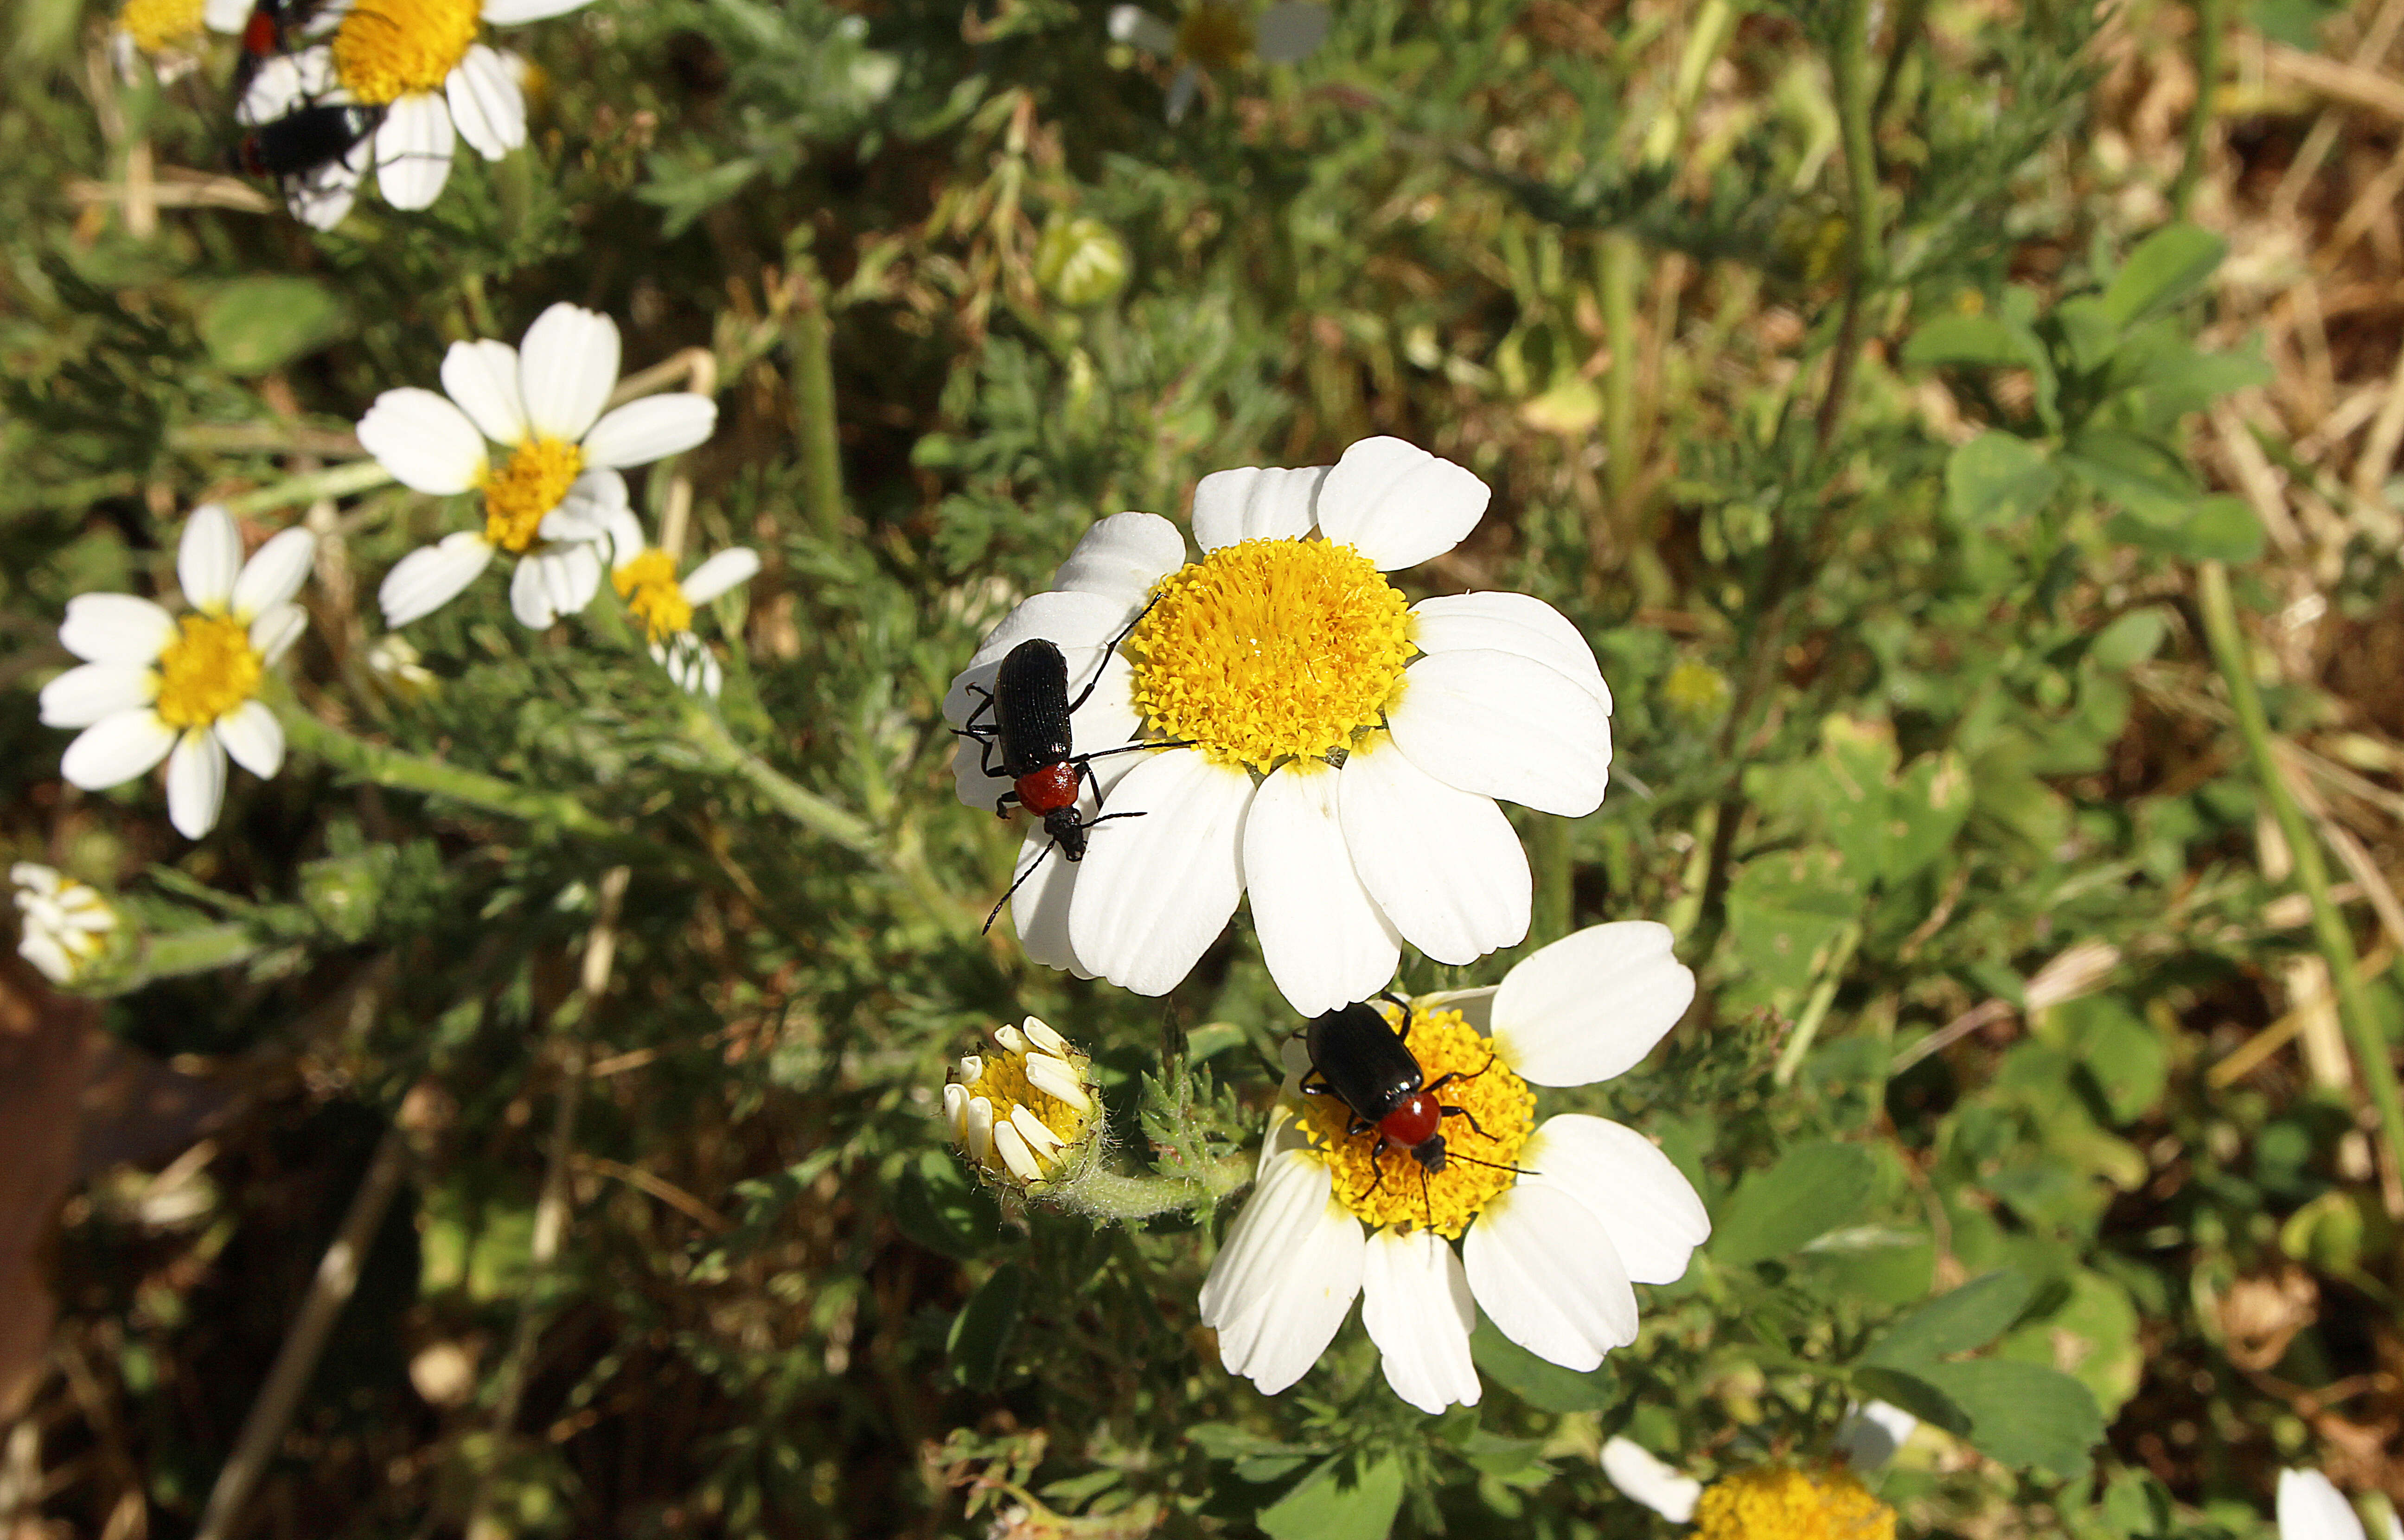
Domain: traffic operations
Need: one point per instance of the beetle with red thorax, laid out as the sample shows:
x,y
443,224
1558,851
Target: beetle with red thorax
x,y
1359,1058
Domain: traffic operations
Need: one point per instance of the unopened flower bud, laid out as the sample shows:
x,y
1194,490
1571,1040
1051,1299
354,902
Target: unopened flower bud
x,y
1081,262
1027,1113
66,923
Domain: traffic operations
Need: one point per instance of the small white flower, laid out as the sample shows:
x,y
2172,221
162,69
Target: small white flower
x,y
1221,34
419,61
66,922
2312,1508
645,577
1867,1439
157,686
1027,1113
171,33
1556,1222
1325,749
547,499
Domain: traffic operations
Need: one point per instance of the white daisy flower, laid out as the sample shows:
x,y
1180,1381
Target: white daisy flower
x,y
171,33
66,922
547,498
420,62
2312,1508
1867,1439
1343,753
183,689
1557,1220
1221,34
1029,1112
645,577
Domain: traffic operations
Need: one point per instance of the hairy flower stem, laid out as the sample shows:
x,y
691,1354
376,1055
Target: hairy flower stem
x,y
2362,1025
1123,1198
809,337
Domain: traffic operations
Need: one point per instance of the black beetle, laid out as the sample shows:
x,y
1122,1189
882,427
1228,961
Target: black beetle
x,y
306,139
1362,1061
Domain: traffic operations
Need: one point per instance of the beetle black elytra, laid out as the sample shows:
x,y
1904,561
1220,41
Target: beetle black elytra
x,y
1362,1062
307,139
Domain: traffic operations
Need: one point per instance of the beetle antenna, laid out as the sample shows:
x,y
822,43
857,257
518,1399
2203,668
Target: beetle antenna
x,y
995,913
1425,1201
1123,636
1492,1166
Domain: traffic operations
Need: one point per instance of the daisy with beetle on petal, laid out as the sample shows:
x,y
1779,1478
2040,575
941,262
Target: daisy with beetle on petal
x,y
421,64
1556,1220
1219,34
1326,747
646,577
549,497
156,686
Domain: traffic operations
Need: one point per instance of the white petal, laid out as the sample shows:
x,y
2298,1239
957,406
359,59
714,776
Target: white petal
x,y
1039,910
254,737
281,83
1011,1145
1509,623
196,777
955,1110
719,574
481,377
552,580
44,952
1181,92
2312,1508
567,365
1157,889
274,574
116,628
426,441
1397,504
485,102
1544,1272
1326,944
1044,1038
1067,620
620,528
1290,30
1058,1079
511,13
273,632
207,558
1869,1435
116,749
226,15
1414,1301
1645,1204
530,596
1505,726
93,690
980,1127
1443,864
1592,1004
413,150
642,431
1038,1137
1136,25
1253,503
1643,1479
595,508
1121,557
1285,1279
323,199
431,575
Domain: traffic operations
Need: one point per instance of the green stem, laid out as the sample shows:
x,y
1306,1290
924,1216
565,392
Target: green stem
x,y
810,337
1617,263
1854,90
2371,1050
1548,855
1815,1010
172,954
1121,1198
2211,22
404,772
334,482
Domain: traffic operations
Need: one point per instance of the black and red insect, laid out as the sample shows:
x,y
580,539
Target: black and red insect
x,y
1029,727
272,28
304,141
1359,1058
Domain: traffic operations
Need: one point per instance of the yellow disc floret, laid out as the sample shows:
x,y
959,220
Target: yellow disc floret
x,y
1394,1188
157,25
1215,34
1271,650
386,48
206,671
1781,1503
649,587
528,485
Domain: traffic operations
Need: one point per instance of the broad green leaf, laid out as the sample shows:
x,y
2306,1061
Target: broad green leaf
x,y
2129,640
2218,528
2022,1414
981,1333
1875,1381
2088,332
2123,1054
1546,1386
1965,1318
1964,340
1997,479
1856,758
1785,907
1811,1190
2168,266
2092,1335
2146,478
935,1205
254,325
1348,1497
1925,808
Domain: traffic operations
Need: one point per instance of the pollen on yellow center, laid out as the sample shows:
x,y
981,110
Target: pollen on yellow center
x,y
1390,1189
386,48
157,25
528,485
1782,1503
649,587
206,671
1271,650
1215,34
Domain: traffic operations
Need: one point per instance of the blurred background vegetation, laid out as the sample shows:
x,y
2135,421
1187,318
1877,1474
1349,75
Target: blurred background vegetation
x,y
1885,391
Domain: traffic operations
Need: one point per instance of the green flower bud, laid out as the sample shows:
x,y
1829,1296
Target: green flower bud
x,y
1081,262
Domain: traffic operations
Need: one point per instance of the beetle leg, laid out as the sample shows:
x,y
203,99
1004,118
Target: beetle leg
x,y
1464,1112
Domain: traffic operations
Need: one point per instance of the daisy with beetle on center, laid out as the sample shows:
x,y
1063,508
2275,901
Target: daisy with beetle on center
x,y
1557,1220
552,494
1326,746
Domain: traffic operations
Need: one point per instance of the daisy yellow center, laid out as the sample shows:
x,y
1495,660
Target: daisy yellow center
x,y
384,49
1271,650
206,671
1215,34
157,25
1393,1188
1781,1503
649,587
1002,1081
528,485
